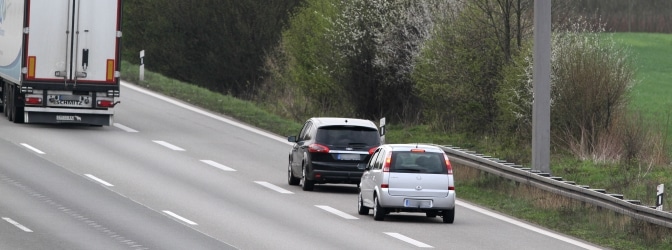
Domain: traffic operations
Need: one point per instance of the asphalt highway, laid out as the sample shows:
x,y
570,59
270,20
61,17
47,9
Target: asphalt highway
x,y
168,175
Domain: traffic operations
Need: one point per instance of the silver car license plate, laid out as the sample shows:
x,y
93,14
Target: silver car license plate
x,y
348,157
417,203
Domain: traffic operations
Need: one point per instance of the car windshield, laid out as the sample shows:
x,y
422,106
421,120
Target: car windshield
x,y
415,162
348,136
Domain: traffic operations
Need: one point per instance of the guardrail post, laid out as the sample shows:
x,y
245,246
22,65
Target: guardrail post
x,y
659,197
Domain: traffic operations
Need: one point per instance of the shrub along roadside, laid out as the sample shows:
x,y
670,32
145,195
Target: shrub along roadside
x,y
591,224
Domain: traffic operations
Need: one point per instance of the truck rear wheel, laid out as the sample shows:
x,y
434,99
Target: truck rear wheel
x,y
17,114
3,95
13,112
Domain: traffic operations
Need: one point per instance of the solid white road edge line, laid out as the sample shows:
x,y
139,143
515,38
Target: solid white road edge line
x,y
527,226
206,113
124,128
32,148
185,220
168,145
408,240
337,212
274,187
99,180
16,224
217,165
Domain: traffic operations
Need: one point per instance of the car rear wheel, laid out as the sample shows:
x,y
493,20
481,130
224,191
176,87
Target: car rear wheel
x,y
291,180
306,185
449,216
361,209
378,211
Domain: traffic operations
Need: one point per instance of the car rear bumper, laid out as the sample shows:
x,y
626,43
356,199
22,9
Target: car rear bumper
x,y
330,176
397,202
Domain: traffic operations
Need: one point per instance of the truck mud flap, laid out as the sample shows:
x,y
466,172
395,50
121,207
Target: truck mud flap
x,y
64,118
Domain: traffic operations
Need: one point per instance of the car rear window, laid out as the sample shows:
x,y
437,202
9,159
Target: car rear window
x,y
347,136
418,162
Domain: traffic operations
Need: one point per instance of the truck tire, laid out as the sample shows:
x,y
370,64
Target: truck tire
x,y
4,99
2,96
16,112
10,101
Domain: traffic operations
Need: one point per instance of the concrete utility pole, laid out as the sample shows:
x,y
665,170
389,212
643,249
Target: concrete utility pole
x,y
541,108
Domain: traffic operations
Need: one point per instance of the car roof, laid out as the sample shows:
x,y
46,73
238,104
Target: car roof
x,y
331,121
409,146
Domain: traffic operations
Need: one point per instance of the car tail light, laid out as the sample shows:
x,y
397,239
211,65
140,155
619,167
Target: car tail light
x,y
372,150
33,100
448,166
386,168
318,148
388,161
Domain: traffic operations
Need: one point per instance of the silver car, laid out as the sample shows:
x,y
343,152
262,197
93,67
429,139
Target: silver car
x,y
408,178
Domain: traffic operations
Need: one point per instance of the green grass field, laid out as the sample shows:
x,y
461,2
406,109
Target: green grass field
x,y
652,95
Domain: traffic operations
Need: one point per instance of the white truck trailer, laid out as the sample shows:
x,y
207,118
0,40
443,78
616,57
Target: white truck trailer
x,y
59,60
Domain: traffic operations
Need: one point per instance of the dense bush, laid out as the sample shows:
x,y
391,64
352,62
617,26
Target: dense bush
x,y
302,78
590,82
219,45
351,58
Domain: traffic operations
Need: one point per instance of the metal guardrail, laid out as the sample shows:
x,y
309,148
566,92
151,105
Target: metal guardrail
x,y
556,185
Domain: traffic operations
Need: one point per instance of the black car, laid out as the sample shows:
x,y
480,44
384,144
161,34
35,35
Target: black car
x,y
328,149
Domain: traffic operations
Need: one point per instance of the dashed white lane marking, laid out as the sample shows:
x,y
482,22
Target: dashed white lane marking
x,y
32,148
408,240
185,220
16,224
124,128
527,226
337,212
274,187
168,145
99,180
217,165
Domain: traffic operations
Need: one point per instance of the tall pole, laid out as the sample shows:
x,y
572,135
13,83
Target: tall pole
x,y
541,107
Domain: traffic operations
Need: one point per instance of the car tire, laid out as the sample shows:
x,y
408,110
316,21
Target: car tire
x,y
306,185
291,180
449,216
431,214
378,211
361,209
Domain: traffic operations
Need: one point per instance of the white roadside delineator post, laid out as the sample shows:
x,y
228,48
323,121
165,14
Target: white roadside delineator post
x,y
659,197
382,130
142,65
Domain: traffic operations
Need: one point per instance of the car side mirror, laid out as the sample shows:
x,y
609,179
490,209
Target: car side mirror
x,y
291,138
362,166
